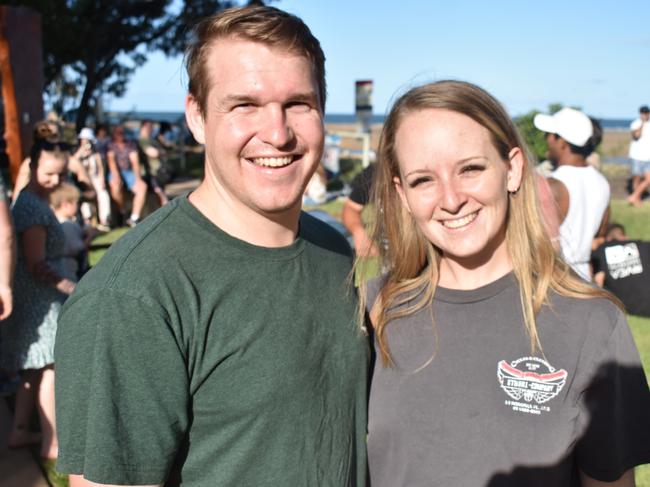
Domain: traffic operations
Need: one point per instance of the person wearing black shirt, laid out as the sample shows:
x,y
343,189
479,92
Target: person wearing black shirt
x,y
622,266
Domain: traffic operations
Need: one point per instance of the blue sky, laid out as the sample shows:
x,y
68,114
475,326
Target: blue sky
x,y
593,54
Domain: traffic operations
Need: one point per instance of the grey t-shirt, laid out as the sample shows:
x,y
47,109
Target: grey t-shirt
x,y
485,412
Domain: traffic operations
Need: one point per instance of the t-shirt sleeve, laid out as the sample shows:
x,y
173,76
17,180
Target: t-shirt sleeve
x,y
598,260
636,124
121,390
616,405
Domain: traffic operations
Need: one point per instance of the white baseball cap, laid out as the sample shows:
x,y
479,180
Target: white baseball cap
x,y
87,134
572,125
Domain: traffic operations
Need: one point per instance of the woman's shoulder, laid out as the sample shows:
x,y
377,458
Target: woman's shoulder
x,y
372,287
29,209
597,316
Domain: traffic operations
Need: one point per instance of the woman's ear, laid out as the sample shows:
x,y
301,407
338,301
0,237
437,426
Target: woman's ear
x,y
515,169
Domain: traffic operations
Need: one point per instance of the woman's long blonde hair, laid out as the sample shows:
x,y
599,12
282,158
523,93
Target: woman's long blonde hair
x,y
412,261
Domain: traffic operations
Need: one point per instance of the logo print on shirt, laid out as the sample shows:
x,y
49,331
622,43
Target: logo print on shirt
x,y
623,260
530,382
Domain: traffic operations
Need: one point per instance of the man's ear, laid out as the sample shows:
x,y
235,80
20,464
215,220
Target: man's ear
x,y
194,119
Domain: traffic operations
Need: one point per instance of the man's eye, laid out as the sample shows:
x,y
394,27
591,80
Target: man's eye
x,y
298,106
244,106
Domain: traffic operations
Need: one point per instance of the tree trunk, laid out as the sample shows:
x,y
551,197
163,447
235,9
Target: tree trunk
x,y
84,110
12,125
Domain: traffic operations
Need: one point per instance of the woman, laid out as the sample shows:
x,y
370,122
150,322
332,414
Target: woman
x,y
48,131
496,364
92,163
125,174
28,334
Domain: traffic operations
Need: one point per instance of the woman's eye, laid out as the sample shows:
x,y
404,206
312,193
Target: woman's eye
x,y
419,181
472,168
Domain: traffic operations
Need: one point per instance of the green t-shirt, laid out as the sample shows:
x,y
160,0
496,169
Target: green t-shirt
x,y
189,356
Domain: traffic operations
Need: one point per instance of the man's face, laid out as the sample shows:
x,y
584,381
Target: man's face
x,y
262,127
552,143
645,116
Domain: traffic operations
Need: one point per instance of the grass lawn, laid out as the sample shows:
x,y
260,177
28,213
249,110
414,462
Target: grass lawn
x,y
637,225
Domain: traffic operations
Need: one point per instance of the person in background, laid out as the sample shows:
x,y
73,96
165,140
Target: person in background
x,y
7,254
40,289
353,208
215,344
496,364
49,131
580,191
622,266
92,162
65,203
154,158
640,155
125,174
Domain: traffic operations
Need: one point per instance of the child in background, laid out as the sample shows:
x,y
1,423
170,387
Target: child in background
x,y
65,204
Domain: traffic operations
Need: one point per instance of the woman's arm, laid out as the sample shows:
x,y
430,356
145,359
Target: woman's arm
x,y
7,260
135,164
33,247
626,480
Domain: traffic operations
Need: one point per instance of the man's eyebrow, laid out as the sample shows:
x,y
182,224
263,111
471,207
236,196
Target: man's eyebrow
x,y
235,99
307,97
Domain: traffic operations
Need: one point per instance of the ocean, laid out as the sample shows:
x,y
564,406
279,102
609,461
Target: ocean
x,y
342,118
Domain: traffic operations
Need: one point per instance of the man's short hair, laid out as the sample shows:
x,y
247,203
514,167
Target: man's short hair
x,y
644,109
613,227
266,25
65,193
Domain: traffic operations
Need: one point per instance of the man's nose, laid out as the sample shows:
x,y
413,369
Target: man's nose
x,y
274,127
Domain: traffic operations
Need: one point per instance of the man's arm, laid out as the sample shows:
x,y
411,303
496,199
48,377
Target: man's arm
x,y
626,480
79,481
561,196
352,220
599,278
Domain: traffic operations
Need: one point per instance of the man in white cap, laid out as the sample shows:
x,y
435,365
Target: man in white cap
x,y
581,192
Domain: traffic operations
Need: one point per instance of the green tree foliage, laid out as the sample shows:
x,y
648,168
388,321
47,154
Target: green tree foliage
x,y
93,47
533,137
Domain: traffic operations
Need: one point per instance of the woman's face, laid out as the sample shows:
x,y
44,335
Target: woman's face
x,y
50,170
455,185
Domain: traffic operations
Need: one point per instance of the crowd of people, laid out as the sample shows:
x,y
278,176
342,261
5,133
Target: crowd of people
x,y
221,342
60,202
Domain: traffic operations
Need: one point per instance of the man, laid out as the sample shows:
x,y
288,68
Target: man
x,y
216,343
622,266
154,158
352,212
581,192
640,156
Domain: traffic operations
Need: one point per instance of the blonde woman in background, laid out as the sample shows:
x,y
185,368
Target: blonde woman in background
x,y
497,365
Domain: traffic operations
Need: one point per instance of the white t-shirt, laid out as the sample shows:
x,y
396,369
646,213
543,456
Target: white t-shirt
x,y
640,148
588,199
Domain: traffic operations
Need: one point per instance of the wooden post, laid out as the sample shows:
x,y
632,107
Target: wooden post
x,y
12,125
